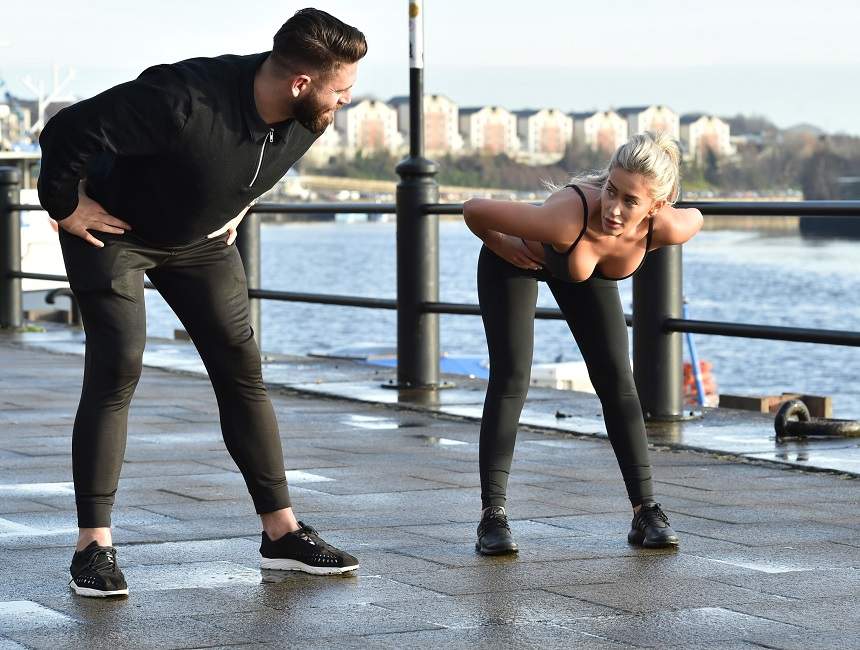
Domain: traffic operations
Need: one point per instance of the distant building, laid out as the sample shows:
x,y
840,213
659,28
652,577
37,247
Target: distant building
x,y
489,130
56,106
599,130
544,135
368,126
651,118
5,114
328,146
747,140
15,121
441,124
701,133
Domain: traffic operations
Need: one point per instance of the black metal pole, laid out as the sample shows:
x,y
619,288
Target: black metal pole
x,y
11,312
248,241
417,236
657,353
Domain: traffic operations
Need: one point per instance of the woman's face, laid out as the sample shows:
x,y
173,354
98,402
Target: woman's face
x,y
625,201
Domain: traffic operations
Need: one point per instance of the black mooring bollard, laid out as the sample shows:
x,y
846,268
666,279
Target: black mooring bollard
x,y
417,275
11,310
248,241
657,354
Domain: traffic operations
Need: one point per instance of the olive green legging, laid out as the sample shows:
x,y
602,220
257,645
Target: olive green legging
x,y
507,295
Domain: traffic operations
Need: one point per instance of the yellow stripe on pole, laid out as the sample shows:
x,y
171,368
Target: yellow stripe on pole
x,y
416,34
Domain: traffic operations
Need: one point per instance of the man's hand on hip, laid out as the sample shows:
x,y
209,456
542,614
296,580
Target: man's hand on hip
x,y
230,228
90,215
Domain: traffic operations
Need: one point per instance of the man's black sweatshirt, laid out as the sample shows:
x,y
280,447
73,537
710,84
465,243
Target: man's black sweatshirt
x,y
176,153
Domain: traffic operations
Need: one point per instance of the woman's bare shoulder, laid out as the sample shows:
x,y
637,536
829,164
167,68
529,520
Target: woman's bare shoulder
x,y
565,201
592,192
589,190
569,193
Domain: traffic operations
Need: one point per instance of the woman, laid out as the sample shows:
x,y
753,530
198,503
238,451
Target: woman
x,y
585,236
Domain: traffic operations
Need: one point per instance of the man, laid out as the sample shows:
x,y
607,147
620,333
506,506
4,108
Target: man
x,y
153,176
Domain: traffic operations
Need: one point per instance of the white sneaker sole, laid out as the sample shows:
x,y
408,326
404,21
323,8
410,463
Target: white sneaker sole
x,y
95,593
295,565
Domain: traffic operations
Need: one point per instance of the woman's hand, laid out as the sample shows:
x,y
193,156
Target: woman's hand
x,y
513,250
90,215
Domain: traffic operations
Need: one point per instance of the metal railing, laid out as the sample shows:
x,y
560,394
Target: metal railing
x,y
657,288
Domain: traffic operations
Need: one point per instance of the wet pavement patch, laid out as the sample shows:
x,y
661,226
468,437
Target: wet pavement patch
x,y
36,489
26,615
681,627
16,529
191,575
441,442
298,476
379,423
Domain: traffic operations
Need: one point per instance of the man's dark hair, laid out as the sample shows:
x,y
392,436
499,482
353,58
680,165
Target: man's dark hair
x,y
313,39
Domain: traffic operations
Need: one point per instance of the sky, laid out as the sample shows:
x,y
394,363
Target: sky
x,y
791,61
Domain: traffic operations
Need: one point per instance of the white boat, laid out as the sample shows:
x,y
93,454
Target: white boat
x,y
40,253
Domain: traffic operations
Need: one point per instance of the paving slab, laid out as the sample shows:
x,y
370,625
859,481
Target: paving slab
x,y
170,632
801,585
825,615
682,627
488,637
527,607
769,555
655,595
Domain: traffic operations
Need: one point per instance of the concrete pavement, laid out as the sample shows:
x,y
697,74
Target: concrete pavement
x,y
770,555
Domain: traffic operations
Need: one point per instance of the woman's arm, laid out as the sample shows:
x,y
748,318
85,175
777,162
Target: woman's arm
x,y
675,225
509,248
557,220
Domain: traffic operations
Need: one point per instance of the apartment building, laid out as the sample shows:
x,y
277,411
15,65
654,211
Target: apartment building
x,y
599,130
656,117
544,134
441,124
489,130
701,133
368,126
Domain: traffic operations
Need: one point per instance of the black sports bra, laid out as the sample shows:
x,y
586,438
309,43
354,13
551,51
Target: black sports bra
x,y
557,264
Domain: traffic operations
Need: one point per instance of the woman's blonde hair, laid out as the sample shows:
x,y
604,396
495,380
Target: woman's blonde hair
x,y
654,155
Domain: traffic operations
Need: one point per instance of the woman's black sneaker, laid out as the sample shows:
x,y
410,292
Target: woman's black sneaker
x,y
494,533
304,550
94,572
651,529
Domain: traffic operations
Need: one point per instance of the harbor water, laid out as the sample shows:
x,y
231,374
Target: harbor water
x,y
736,276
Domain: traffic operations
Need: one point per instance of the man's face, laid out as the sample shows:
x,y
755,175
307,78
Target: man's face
x,y
316,107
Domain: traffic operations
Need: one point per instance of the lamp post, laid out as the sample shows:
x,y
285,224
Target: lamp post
x,y
417,235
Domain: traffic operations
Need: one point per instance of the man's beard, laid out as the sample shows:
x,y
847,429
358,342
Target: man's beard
x,y
312,115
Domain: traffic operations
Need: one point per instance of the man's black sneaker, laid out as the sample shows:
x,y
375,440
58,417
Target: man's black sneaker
x,y
304,550
650,528
94,572
494,533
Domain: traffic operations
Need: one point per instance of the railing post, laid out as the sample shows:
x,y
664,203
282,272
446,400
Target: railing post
x,y
658,354
248,241
11,312
417,235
